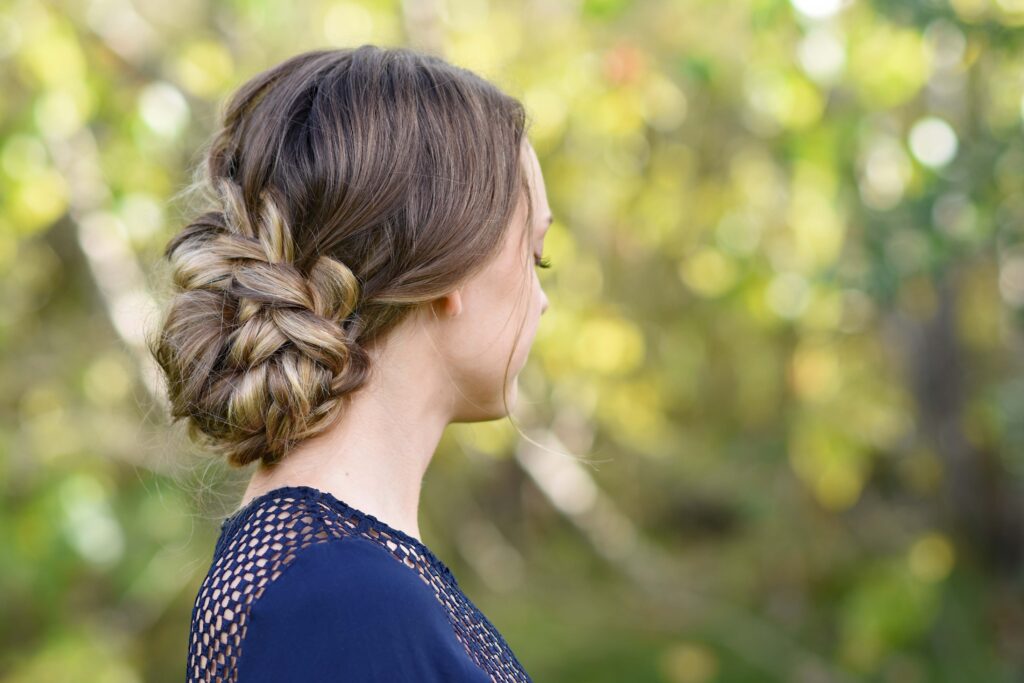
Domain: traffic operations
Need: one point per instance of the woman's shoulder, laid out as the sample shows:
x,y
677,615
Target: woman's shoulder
x,y
347,585
311,548
347,570
260,541
296,582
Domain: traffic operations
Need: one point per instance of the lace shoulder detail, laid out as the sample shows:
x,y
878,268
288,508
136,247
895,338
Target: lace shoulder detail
x,y
260,541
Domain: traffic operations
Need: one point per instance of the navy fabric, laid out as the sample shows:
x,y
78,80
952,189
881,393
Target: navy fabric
x,y
303,587
346,610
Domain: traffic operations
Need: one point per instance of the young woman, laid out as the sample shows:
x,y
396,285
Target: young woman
x,y
363,276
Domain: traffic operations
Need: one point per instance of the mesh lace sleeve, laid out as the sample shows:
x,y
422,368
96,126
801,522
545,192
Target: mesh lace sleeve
x,y
344,610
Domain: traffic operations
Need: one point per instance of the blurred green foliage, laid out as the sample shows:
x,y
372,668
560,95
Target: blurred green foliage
x,y
785,325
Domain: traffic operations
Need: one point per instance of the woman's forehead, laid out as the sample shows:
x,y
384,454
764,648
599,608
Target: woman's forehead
x,y
535,182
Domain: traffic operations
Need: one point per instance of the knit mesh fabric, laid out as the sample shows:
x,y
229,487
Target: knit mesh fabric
x,y
257,544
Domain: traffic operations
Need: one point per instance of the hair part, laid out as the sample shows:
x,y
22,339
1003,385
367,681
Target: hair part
x,y
343,189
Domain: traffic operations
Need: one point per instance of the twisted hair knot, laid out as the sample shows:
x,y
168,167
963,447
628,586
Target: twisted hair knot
x,y
285,357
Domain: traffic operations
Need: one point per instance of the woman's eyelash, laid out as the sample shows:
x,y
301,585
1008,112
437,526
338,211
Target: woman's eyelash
x,y
543,262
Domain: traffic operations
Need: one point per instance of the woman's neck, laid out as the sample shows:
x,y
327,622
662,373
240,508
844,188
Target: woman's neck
x,y
375,456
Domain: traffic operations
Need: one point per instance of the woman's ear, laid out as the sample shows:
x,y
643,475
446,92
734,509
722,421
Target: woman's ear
x,y
450,305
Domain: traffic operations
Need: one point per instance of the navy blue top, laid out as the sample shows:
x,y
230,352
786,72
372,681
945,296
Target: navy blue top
x,y
303,587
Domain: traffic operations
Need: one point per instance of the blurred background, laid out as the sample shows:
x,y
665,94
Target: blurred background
x,y
774,416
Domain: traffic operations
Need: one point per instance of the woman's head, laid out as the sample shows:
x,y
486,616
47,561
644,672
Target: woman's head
x,y
350,191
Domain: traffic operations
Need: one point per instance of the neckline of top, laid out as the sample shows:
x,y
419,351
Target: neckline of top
x,y
235,518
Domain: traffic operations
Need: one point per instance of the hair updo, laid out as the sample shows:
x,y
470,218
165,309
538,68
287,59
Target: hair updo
x,y
345,187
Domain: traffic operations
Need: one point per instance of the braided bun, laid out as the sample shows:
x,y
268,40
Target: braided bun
x,y
256,353
346,188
